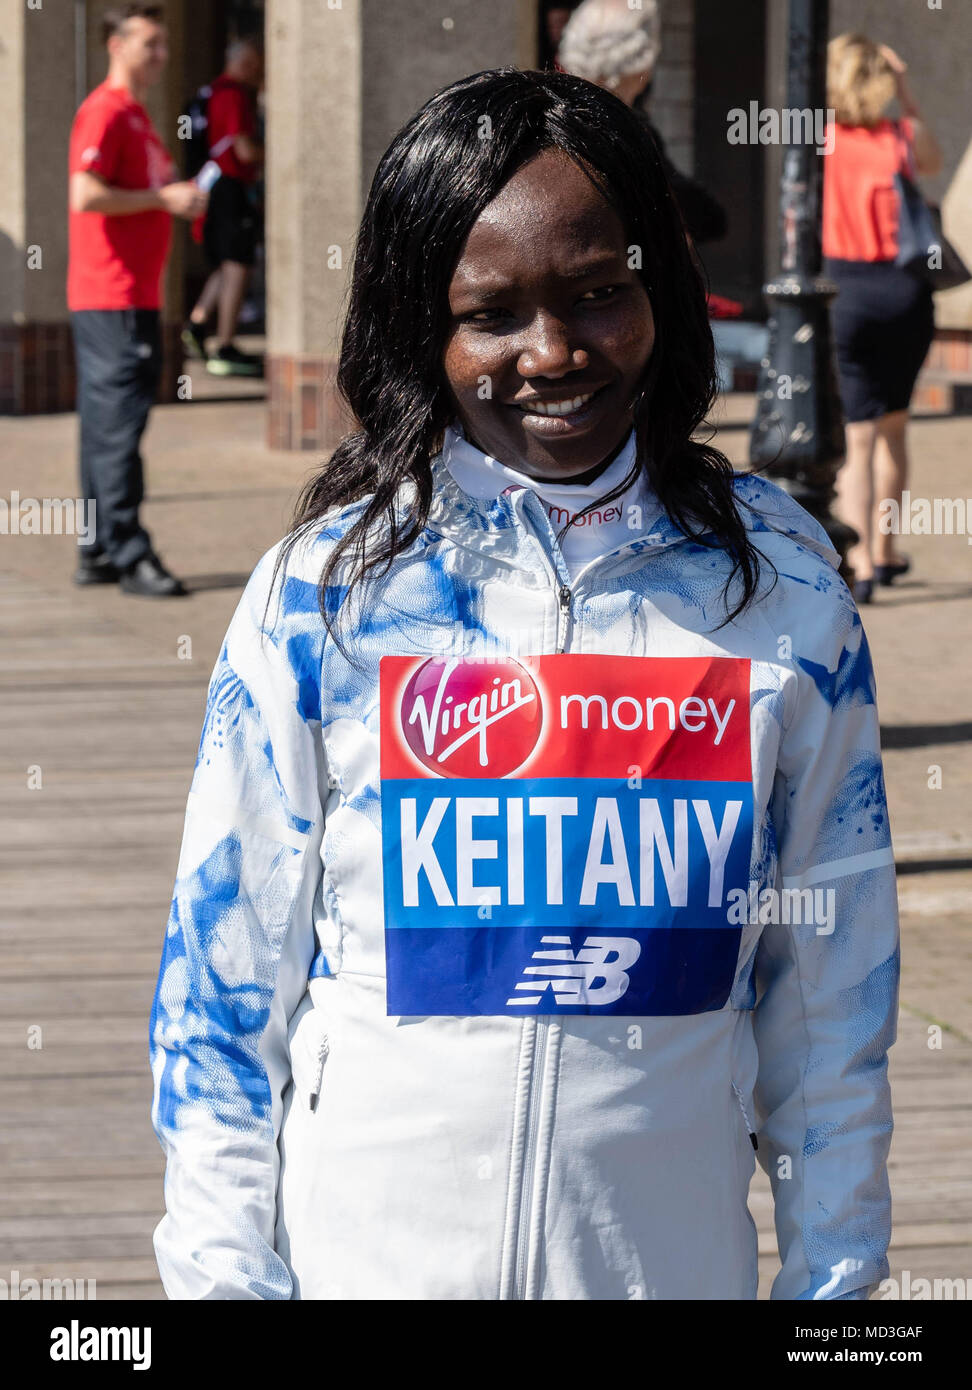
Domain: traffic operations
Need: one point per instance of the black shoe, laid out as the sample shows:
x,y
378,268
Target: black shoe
x,y
149,578
887,574
194,340
96,570
228,360
863,590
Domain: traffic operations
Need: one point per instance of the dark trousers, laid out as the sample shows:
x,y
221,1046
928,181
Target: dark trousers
x,y
119,359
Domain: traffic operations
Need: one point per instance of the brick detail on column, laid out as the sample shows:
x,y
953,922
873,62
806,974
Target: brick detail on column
x,y
37,375
305,410
951,351
36,368
944,385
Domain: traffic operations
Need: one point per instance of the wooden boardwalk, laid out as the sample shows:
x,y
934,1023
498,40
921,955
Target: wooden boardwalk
x,y
111,718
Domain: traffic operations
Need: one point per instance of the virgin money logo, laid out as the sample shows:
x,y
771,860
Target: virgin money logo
x,y
471,718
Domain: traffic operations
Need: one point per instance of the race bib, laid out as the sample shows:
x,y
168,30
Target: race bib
x,y
561,833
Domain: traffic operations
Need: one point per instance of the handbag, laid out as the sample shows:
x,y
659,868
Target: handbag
x,y
920,234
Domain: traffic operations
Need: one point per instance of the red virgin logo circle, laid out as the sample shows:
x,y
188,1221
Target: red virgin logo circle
x,y
473,718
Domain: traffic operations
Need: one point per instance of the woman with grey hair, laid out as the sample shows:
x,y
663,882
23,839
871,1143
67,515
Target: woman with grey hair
x,y
617,48
613,46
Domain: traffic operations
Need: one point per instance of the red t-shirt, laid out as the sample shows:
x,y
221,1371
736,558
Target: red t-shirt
x,y
117,262
231,112
860,205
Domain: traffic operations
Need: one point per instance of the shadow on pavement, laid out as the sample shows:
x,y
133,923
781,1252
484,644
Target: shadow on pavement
x,y
233,492
924,866
901,595
923,735
196,583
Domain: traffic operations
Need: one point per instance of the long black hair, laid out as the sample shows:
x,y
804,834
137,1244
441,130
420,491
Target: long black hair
x,y
439,173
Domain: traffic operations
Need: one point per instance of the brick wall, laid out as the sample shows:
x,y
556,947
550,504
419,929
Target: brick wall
x,y
304,408
673,92
36,368
37,374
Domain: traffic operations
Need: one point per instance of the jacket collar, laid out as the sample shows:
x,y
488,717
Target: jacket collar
x,y
515,528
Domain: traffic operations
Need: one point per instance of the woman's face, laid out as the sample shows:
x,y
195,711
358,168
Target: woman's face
x,y
547,318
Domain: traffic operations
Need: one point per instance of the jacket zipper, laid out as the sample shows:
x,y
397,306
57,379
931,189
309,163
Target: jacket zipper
x,y
563,618
521,1266
525,1278
742,1107
323,1048
524,1283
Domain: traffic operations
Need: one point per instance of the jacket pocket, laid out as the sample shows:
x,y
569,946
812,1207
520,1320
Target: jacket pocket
x,y
309,1048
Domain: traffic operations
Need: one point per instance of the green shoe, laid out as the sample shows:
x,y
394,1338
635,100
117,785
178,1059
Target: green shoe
x,y
230,361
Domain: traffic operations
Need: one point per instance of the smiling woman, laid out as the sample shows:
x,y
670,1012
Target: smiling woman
x,y
522,271
547,310
477,799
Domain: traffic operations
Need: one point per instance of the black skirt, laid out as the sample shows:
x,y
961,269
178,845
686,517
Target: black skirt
x,y
884,320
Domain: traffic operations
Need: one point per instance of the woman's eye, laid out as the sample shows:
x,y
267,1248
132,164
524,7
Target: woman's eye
x,y
605,292
494,316
482,316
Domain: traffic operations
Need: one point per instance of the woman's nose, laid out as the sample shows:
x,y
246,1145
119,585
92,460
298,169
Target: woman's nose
x,y
546,349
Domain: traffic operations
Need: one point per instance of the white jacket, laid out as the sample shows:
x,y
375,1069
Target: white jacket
x,y
475,984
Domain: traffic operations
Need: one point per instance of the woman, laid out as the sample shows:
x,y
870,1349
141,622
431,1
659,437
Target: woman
x,y
471,987
616,46
883,315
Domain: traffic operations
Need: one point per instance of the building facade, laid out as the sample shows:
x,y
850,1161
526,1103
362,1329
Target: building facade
x,y
342,76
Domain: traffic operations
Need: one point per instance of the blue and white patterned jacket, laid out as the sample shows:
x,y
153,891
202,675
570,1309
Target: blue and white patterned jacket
x,y
414,1041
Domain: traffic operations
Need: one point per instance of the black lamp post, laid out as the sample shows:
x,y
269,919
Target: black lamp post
x,y
799,430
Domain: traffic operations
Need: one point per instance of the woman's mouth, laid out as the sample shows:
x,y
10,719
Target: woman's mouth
x,y
558,417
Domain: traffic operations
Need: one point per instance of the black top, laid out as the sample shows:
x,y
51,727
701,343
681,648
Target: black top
x,y
704,216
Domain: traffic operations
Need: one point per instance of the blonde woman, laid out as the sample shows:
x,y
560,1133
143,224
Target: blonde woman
x,y
883,313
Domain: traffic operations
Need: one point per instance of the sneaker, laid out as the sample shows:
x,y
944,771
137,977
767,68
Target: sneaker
x,y
96,569
149,578
194,340
228,360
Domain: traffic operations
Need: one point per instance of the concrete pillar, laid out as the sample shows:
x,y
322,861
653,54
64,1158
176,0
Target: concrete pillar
x,y
342,77
37,102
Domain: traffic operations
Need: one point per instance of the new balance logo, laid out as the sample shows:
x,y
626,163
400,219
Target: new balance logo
x,y
596,974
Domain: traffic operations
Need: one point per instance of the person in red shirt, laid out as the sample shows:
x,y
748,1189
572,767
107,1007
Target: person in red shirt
x,y
229,233
883,314
122,197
